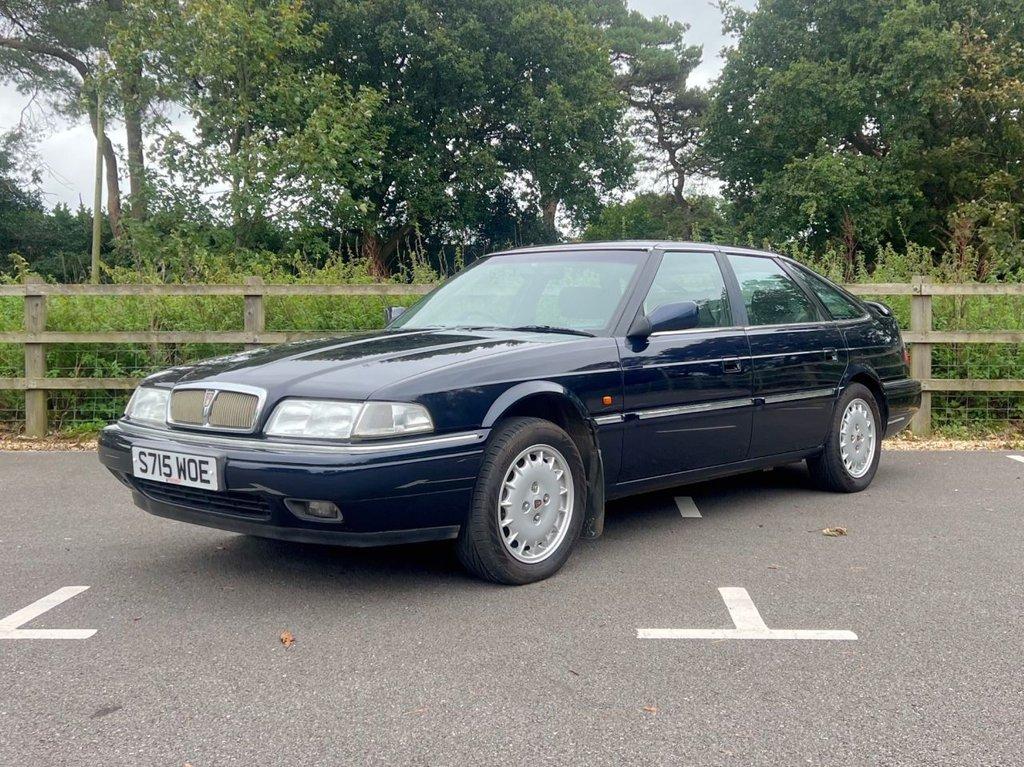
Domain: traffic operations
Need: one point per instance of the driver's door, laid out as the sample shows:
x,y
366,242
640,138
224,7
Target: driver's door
x,y
687,394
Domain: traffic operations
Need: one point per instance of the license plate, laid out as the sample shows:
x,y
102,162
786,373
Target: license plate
x,y
175,468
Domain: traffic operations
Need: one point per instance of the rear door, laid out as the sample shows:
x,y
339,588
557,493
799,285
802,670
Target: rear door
x,y
799,357
687,394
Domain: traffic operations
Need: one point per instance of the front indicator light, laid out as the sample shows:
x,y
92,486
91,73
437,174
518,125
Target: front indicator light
x,y
387,419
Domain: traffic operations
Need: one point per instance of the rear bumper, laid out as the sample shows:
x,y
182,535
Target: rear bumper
x,y
903,398
418,490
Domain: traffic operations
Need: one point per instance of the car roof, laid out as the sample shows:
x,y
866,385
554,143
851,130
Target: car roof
x,y
632,245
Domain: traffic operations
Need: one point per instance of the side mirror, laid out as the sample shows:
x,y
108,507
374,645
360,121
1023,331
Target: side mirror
x,y
881,308
392,313
681,315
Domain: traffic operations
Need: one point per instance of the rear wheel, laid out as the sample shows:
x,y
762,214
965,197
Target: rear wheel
x,y
528,504
850,456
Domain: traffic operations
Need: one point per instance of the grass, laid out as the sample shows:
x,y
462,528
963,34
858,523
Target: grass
x,y
76,413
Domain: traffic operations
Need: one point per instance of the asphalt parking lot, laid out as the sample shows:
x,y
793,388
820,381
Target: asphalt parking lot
x,y
400,658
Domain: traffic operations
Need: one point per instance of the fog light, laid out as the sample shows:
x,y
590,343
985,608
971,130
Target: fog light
x,y
314,509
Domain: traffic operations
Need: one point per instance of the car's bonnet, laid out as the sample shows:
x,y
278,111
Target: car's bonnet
x,y
352,367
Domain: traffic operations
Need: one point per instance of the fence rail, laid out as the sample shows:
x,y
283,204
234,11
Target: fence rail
x,y
920,336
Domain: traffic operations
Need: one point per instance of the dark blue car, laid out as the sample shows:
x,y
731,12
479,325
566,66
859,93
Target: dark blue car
x,y
509,404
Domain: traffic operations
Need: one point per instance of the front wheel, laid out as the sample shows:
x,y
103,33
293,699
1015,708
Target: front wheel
x,y
528,505
850,457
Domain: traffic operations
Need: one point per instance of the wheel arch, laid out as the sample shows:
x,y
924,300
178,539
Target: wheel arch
x,y
554,402
869,379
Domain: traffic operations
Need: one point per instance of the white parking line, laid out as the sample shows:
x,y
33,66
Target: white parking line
x,y
748,622
687,508
1016,458
9,625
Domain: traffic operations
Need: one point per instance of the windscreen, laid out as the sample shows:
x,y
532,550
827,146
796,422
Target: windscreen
x,y
575,290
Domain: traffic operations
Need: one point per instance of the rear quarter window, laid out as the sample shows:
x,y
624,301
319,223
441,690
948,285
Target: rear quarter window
x,y
838,304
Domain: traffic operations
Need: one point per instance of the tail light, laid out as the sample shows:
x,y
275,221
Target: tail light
x,y
906,354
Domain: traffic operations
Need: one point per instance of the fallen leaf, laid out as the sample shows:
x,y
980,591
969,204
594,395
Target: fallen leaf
x,y
287,638
834,532
651,709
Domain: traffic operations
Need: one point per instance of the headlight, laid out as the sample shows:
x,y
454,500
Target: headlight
x,y
335,419
325,419
148,404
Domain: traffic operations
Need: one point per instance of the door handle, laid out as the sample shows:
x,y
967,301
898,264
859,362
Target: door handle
x,y
832,354
732,366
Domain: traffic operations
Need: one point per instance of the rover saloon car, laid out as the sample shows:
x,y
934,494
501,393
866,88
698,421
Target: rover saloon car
x,y
508,405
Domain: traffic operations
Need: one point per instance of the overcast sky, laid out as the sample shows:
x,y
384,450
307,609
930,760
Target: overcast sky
x,y
67,151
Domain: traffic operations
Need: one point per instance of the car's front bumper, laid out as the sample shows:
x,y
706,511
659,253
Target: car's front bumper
x,y
903,399
405,491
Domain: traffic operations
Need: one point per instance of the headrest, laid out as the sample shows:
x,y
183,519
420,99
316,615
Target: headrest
x,y
583,303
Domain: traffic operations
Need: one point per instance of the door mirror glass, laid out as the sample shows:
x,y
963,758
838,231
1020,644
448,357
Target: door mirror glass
x,y
392,313
667,318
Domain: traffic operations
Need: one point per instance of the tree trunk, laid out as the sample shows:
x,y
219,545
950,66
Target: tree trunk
x,y
113,184
370,249
113,187
380,253
136,149
549,210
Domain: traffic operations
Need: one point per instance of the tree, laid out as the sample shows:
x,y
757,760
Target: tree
x,y
867,122
284,141
54,47
659,216
479,97
563,111
49,243
655,64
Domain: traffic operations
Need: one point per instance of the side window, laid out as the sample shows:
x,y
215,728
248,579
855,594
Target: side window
x,y
691,277
838,305
771,297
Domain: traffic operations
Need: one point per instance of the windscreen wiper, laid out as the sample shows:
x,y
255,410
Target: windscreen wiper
x,y
552,329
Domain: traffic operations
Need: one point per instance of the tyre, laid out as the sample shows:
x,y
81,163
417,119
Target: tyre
x,y
528,504
850,456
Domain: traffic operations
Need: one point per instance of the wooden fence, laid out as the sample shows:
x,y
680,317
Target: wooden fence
x,y
35,383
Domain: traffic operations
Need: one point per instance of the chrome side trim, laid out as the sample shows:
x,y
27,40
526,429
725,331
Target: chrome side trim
x,y
790,354
267,445
701,407
707,361
708,330
585,372
799,395
898,383
603,420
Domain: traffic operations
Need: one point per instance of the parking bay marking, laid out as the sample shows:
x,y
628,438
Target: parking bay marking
x,y
748,622
687,508
1016,458
9,626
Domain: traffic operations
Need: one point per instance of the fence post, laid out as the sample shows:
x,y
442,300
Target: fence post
x,y
35,358
921,354
255,313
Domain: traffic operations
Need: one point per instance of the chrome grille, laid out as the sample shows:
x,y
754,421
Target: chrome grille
x,y
187,406
214,408
233,410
